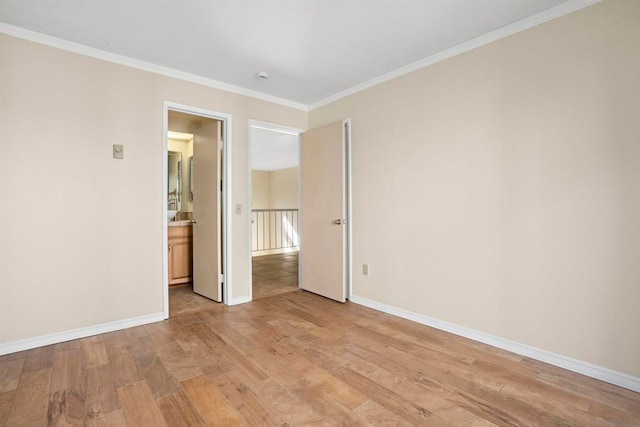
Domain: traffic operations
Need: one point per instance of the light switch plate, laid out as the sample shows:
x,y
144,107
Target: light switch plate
x,y
118,151
238,208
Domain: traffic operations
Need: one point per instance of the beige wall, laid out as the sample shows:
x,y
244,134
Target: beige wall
x,y
85,247
260,189
275,189
499,189
284,189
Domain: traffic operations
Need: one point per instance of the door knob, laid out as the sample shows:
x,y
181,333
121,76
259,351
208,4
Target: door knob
x,y
194,221
337,222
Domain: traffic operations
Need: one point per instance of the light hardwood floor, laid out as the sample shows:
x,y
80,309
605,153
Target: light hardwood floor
x,y
291,360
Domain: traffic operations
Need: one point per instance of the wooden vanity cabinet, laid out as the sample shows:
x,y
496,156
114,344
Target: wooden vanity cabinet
x,y
180,254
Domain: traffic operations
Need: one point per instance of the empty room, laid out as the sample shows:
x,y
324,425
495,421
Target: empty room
x,y
297,213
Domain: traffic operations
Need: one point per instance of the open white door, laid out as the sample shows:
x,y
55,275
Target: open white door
x,y
207,262
323,232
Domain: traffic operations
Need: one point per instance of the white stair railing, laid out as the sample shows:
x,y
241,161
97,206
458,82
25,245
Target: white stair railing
x,y
273,229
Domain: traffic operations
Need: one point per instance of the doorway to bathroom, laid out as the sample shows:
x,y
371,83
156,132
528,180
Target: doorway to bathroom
x,y
195,222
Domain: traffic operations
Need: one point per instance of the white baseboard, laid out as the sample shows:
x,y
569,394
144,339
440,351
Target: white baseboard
x,y
74,334
240,300
585,368
274,251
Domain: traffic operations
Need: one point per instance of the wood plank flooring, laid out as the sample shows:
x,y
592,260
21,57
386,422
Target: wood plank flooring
x,y
296,359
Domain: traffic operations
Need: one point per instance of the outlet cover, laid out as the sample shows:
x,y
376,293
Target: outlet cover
x,y
365,269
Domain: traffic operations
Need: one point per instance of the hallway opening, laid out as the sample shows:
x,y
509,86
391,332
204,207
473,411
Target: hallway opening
x,y
274,274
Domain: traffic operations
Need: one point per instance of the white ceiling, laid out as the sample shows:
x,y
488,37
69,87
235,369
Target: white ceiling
x,y
271,150
312,49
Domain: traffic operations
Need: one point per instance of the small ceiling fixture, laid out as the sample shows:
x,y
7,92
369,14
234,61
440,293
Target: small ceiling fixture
x,y
262,76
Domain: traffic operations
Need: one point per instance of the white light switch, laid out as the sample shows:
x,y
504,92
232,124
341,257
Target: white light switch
x,y
238,208
118,151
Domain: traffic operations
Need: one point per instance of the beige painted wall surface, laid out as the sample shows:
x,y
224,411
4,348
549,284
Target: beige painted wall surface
x,y
260,189
85,247
499,189
275,189
284,189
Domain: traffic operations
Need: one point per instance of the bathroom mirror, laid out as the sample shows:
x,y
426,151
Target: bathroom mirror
x,y
174,189
191,179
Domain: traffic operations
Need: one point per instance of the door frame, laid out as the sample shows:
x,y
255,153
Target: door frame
x,y
226,251
346,125
276,128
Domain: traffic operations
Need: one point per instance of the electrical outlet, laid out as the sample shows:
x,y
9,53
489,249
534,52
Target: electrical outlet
x,y
365,269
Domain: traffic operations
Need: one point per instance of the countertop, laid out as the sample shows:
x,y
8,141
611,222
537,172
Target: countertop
x,y
186,222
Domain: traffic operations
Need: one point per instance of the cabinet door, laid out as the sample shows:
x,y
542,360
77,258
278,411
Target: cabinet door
x,y
180,260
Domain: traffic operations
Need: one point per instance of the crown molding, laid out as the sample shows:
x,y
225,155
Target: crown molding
x,y
506,31
540,18
33,36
